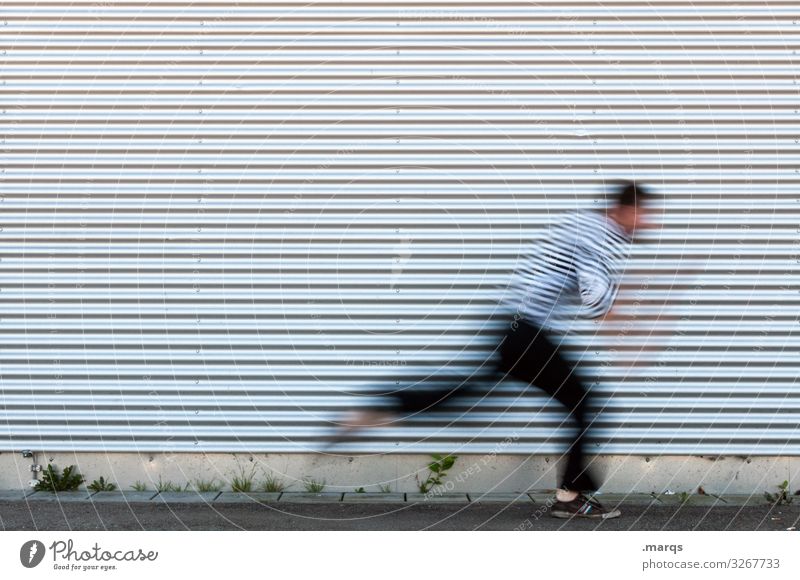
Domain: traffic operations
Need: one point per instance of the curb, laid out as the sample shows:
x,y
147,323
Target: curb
x,y
233,498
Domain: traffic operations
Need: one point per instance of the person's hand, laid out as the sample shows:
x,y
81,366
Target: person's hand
x,y
613,315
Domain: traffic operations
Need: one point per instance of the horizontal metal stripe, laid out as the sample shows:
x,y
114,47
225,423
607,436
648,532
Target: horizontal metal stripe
x,y
185,107
391,120
295,269
245,75
188,88
378,313
74,63
324,263
561,197
317,292
442,9
402,204
409,296
578,179
731,46
405,307
392,4
160,49
234,34
527,201
259,445
540,414
786,233
757,392
284,168
726,275
417,173
401,154
627,305
200,286
502,254
431,117
689,325
776,138
692,337
526,400
247,9
382,347
261,376
782,234
456,18
377,215
301,434
310,357
380,357
204,423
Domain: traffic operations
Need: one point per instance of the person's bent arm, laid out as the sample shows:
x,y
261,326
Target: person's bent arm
x,y
596,283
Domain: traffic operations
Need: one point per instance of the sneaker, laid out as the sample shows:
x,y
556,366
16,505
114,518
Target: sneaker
x,y
583,507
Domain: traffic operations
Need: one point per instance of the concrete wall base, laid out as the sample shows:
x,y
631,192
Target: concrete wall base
x,y
399,473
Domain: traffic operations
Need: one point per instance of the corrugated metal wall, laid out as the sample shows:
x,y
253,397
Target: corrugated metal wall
x,y
219,221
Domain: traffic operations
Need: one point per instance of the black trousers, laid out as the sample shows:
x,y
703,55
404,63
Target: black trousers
x,y
529,354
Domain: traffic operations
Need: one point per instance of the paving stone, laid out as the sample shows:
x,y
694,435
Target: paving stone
x,y
186,496
749,500
437,497
240,497
542,498
692,500
14,494
305,497
615,499
500,497
122,496
374,497
62,496
611,499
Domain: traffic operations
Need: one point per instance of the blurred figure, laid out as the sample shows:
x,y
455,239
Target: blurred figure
x,y
573,273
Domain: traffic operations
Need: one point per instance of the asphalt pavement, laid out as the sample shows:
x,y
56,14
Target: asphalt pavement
x,y
373,514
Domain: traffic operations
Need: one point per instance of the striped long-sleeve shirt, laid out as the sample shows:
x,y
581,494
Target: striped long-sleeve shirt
x,y
573,273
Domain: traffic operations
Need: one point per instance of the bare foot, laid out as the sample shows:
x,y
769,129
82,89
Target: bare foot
x,y
355,420
366,418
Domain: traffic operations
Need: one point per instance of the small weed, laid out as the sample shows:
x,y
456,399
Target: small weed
x,y
201,485
272,484
139,486
52,481
684,497
361,490
782,497
385,489
102,485
168,486
313,486
437,470
243,481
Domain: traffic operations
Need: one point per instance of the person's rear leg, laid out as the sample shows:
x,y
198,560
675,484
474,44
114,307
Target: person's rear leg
x,y
403,404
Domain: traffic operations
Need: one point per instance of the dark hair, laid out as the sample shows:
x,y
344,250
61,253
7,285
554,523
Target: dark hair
x,y
631,193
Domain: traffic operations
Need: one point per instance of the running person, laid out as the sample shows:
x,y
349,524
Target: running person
x,y
574,273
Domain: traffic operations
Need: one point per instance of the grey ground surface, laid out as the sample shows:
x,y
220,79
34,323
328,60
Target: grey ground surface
x,y
226,511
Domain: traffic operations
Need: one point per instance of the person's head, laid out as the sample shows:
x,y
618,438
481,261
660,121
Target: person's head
x,y
630,206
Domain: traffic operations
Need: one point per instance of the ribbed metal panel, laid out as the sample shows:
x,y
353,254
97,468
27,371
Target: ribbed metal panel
x,y
223,223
